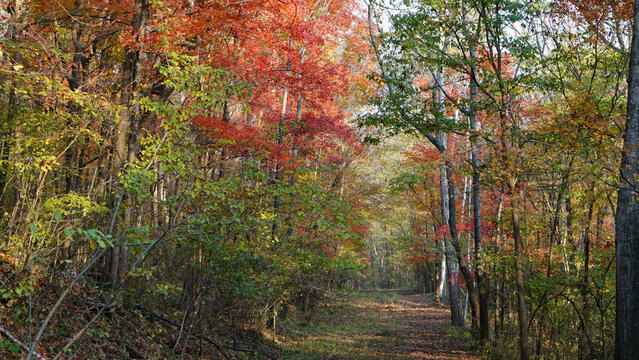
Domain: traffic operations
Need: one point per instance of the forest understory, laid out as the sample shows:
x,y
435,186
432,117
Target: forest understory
x,y
346,325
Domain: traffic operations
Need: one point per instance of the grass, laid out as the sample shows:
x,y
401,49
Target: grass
x,y
352,326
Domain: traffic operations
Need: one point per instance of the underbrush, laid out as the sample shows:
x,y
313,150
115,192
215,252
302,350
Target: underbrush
x,y
123,332
462,336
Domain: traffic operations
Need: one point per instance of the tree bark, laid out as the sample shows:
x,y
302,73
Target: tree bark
x,y
627,218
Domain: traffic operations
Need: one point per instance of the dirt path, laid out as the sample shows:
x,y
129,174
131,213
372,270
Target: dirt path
x,y
377,325
422,334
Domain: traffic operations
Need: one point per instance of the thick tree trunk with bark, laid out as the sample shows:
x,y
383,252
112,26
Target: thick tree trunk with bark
x,y
627,218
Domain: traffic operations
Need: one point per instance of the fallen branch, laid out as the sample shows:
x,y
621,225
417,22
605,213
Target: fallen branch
x,y
20,343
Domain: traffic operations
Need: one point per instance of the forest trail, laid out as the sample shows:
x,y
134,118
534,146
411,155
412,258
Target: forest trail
x,y
422,331
376,325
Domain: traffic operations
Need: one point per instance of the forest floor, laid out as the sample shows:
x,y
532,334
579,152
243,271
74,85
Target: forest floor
x,y
376,325
355,325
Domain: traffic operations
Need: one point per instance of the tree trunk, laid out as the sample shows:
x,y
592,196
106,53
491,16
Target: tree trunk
x,y
130,71
453,291
482,286
8,132
128,122
627,219
519,272
585,351
452,225
442,274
